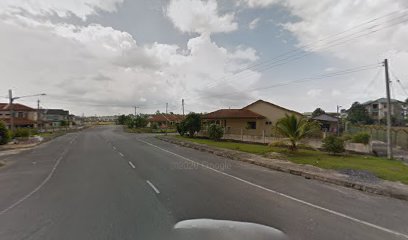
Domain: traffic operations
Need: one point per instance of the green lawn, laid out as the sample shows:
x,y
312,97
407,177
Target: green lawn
x,y
392,170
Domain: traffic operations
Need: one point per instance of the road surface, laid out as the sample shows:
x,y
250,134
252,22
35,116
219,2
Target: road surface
x,y
103,183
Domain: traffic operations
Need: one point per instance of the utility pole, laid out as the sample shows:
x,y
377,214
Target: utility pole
x,y
338,120
182,104
11,99
136,110
38,113
387,85
167,124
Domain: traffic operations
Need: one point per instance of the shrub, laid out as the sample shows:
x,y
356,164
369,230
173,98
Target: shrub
x,y
154,126
21,132
333,144
181,128
361,137
346,136
215,132
4,134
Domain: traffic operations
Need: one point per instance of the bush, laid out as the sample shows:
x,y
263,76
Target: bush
x,y
215,132
154,126
333,144
346,136
4,134
181,128
361,137
139,121
21,133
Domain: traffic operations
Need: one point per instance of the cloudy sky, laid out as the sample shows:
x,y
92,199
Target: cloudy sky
x,y
106,56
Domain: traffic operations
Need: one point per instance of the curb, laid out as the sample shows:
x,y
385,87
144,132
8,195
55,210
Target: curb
x,y
388,188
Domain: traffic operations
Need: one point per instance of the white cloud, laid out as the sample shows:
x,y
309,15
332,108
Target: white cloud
x,y
254,23
315,92
96,69
199,17
370,43
61,8
259,3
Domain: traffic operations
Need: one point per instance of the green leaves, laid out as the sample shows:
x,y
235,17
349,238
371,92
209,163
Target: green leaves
x,y
295,129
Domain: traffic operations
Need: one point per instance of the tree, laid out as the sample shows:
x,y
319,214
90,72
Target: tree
x,y
358,114
123,119
192,123
181,128
295,128
140,121
318,112
4,133
333,144
215,132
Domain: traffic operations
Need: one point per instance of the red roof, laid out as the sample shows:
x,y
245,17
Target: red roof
x,y
165,117
17,107
19,121
232,113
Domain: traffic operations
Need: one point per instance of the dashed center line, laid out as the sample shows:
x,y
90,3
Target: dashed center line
x,y
131,164
121,154
153,187
114,148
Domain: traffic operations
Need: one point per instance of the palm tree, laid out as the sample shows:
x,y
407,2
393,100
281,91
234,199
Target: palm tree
x,y
295,129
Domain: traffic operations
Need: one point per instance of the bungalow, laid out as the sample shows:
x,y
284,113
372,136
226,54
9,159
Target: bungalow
x,y
256,119
24,116
164,120
328,123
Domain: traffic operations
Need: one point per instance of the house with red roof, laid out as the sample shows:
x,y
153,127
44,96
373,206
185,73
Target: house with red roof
x,y
164,120
256,119
24,116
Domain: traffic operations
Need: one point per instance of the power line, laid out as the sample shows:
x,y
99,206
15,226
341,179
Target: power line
x,y
296,56
310,47
399,82
317,77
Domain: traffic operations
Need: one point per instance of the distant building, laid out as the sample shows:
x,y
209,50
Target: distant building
x,y
377,109
53,117
24,116
328,122
164,120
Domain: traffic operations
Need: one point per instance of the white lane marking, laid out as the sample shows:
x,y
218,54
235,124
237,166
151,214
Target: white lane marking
x,y
152,186
286,196
121,154
131,164
38,187
114,148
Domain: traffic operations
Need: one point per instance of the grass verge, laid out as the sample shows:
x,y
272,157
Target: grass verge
x,y
392,170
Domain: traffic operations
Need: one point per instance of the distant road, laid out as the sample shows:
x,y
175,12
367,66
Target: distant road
x,y
103,183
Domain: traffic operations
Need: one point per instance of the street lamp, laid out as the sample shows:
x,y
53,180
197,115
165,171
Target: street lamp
x,y
338,119
11,100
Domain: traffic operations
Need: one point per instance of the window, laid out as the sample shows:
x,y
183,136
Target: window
x,y
251,125
268,123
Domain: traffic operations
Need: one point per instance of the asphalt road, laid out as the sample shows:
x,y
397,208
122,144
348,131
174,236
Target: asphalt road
x,y
102,183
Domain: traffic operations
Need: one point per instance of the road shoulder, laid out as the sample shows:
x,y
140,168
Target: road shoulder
x,y
386,188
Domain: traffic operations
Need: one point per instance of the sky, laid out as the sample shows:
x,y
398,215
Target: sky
x,y
103,57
